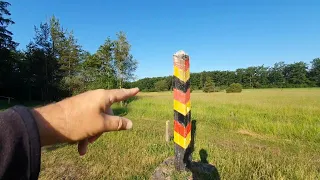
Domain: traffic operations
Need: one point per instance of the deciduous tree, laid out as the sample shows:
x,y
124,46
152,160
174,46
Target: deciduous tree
x,y
124,63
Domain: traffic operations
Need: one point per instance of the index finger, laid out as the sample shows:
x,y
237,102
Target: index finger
x,y
117,95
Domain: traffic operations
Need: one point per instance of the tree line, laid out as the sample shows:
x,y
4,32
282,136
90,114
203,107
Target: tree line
x,y
280,75
54,65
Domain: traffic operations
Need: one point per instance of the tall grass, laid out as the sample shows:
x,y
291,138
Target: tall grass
x,y
257,134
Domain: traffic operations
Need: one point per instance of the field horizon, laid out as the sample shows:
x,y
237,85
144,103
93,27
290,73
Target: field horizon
x,y
256,134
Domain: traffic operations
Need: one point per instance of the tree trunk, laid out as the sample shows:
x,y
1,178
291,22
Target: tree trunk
x,y
29,93
69,66
46,79
69,72
108,80
41,94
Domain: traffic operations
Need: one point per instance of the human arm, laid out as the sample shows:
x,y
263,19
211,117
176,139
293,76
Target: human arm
x,y
82,118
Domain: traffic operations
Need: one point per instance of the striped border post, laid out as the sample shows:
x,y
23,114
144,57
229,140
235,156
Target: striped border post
x,y
182,109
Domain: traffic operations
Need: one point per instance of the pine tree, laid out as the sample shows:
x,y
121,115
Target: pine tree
x,y
201,80
208,85
8,64
105,62
68,52
6,35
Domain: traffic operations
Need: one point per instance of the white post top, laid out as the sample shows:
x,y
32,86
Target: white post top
x,y
181,55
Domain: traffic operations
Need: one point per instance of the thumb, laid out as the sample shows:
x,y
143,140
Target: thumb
x,y
116,123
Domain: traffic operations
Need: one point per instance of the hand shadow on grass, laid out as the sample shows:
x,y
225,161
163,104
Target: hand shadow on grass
x,y
131,99
122,111
201,170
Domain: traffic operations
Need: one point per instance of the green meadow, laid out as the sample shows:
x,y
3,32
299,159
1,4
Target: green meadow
x,y
256,134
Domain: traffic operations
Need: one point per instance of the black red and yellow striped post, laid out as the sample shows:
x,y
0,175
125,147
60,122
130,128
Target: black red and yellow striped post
x,y
182,109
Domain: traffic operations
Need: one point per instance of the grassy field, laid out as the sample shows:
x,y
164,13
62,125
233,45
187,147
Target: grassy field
x,y
257,134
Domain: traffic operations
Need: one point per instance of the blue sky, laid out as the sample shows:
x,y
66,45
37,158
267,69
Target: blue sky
x,y
218,35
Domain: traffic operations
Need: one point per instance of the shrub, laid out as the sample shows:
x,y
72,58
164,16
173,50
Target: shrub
x,y
234,88
161,85
192,88
223,87
208,85
217,89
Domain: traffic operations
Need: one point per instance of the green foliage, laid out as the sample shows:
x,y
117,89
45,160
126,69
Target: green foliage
x,y
54,65
281,75
234,88
161,85
39,68
192,88
296,74
223,87
208,85
276,75
98,69
124,63
6,41
8,61
314,74
67,53
74,82
148,84
201,80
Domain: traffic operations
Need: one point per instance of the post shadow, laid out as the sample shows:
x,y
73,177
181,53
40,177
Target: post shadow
x,y
188,155
201,170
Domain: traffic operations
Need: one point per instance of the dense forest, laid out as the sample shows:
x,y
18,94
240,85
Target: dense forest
x,y
54,65
281,75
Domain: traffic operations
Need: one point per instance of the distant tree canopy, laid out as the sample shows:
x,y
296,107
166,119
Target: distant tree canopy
x,y
54,65
208,85
314,73
161,85
281,75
